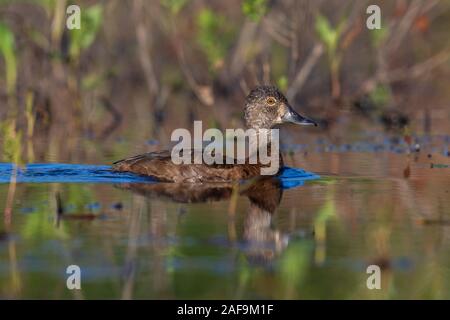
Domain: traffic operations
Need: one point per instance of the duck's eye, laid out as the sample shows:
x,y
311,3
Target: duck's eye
x,y
271,101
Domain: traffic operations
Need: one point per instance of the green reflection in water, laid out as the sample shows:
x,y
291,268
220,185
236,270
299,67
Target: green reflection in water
x,y
317,243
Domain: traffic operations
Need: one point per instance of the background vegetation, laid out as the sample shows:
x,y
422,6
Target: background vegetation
x,y
141,68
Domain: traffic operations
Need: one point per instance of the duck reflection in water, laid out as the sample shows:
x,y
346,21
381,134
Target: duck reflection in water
x,y
260,240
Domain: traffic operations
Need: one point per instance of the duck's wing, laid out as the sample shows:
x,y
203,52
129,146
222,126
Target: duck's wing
x,y
142,157
154,164
160,166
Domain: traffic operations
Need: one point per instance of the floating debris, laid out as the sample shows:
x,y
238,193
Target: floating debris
x,y
117,206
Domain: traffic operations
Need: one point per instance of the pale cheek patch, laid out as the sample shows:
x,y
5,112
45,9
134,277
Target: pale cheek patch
x,y
281,112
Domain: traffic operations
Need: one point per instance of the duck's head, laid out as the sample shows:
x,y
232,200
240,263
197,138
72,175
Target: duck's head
x,y
266,107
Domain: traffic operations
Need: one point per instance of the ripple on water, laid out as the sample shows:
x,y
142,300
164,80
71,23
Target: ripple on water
x,y
68,173
80,173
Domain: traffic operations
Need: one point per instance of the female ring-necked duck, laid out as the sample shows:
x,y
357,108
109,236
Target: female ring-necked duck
x,y
265,107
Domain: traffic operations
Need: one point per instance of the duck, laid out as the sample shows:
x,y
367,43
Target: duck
x,y
265,108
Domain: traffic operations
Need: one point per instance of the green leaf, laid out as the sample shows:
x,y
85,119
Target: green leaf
x,y
254,9
12,141
381,95
327,34
48,4
7,50
211,27
174,6
282,83
80,39
379,35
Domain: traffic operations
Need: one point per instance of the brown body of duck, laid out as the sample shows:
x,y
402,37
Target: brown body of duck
x,y
265,108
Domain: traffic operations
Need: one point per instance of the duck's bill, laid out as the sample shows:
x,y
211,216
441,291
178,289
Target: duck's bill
x,y
294,117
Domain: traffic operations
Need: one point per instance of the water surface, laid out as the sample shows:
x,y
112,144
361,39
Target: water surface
x,y
302,237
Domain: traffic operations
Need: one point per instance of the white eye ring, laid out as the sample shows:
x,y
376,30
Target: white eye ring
x,y
271,101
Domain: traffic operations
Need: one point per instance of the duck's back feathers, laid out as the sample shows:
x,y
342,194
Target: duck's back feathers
x,y
160,166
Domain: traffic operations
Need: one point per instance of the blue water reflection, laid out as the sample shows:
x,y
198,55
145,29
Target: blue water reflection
x,y
81,173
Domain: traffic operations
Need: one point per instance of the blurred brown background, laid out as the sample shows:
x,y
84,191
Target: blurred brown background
x,y
138,69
